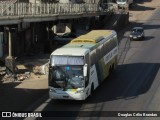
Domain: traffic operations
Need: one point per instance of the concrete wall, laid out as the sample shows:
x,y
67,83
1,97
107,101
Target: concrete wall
x,y
34,1
71,1
79,1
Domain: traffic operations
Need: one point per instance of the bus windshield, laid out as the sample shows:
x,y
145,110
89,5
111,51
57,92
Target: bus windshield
x,y
57,60
67,76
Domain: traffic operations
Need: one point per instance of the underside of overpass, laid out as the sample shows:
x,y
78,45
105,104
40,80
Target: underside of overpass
x,y
38,37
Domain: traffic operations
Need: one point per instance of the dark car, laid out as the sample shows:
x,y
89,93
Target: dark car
x,y
65,38
69,35
137,33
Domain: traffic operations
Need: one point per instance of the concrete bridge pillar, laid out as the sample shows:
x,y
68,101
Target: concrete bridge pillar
x,y
10,60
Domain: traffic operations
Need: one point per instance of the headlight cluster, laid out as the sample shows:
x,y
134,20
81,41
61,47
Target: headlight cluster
x,y
80,90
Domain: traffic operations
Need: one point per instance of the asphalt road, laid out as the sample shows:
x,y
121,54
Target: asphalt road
x,y
133,86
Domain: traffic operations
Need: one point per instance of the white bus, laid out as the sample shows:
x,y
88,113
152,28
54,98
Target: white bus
x,y
78,68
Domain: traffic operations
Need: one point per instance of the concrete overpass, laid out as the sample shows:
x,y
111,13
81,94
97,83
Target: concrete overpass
x,y
40,16
14,13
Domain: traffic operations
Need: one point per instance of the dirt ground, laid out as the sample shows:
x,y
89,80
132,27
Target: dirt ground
x,y
141,11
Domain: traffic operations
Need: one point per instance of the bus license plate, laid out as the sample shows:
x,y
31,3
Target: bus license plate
x,y
65,96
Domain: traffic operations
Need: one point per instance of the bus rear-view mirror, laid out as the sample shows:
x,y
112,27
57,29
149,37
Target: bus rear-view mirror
x,y
85,70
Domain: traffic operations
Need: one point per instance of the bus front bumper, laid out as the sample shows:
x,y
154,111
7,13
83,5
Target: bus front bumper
x,y
67,95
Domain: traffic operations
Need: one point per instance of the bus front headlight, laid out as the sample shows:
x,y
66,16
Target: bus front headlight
x,y
80,90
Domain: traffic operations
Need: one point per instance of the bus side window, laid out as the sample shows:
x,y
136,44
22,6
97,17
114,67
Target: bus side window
x,y
93,57
112,45
99,52
106,48
115,40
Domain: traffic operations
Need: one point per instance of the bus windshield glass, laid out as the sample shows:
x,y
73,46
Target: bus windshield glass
x,y
67,76
66,60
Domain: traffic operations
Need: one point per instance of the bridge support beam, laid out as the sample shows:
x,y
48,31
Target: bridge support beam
x,y
10,60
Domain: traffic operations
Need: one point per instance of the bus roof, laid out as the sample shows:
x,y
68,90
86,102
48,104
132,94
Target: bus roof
x,y
93,37
71,51
80,48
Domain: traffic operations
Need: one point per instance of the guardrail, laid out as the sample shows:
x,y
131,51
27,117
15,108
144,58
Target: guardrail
x,y
16,13
21,9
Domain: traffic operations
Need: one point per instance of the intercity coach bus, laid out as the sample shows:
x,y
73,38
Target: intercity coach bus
x,y
77,68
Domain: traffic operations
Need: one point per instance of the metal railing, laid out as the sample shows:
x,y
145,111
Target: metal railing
x,y
40,9
24,9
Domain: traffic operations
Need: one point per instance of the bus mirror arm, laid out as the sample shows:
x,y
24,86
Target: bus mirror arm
x,y
85,70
